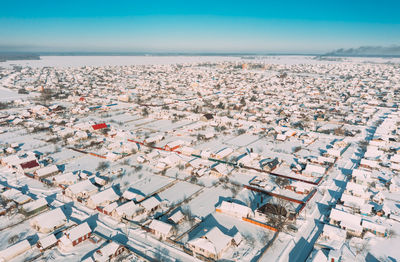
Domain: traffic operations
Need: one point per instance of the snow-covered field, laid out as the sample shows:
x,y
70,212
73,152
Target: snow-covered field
x,y
7,94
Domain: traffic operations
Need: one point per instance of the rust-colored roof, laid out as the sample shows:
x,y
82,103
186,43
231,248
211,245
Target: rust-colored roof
x,y
99,126
30,164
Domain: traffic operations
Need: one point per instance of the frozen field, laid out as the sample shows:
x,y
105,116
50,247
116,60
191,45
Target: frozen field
x,y
7,94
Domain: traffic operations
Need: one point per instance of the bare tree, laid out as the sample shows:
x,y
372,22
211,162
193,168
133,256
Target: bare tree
x,y
103,165
281,182
278,213
13,239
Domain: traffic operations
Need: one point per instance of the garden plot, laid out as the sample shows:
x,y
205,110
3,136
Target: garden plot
x,y
150,183
26,142
179,192
41,147
15,233
11,134
319,145
121,118
166,125
213,145
205,203
8,95
64,155
243,176
87,162
242,140
140,122
206,180
32,185
176,173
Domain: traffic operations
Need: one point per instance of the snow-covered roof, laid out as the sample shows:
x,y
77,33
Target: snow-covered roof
x,y
333,232
11,194
106,195
373,226
354,187
128,208
150,203
128,194
224,152
78,231
230,207
11,160
310,168
51,219
47,241
395,158
41,202
223,169
160,226
346,219
66,178
45,171
83,186
109,208
369,163
350,200
362,175
104,253
176,217
14,250
214,241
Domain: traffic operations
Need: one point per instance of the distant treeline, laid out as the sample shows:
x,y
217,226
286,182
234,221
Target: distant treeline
x,y
367,51
18,56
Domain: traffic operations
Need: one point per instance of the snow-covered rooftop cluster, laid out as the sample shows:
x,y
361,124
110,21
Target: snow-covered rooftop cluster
x,y
235,159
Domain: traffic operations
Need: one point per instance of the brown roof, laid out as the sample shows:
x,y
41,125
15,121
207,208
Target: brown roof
x,y
30,164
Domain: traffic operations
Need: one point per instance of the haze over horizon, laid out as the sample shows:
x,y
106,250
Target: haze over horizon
x,y
178,26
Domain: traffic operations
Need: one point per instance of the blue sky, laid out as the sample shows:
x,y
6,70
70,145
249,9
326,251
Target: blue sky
x,y
197,26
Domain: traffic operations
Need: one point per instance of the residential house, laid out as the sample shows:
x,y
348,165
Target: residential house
x,y
108,252
269,164
351,223
234,209
74,236
46,172
128,211
150,204
225,152
212,244
46,242
81,190
34,207
28,166
66,179
161,229
49,221
219,170
177,217
374,228
102,198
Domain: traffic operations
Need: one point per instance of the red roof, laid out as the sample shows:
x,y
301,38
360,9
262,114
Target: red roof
x,y
99,126
30,164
